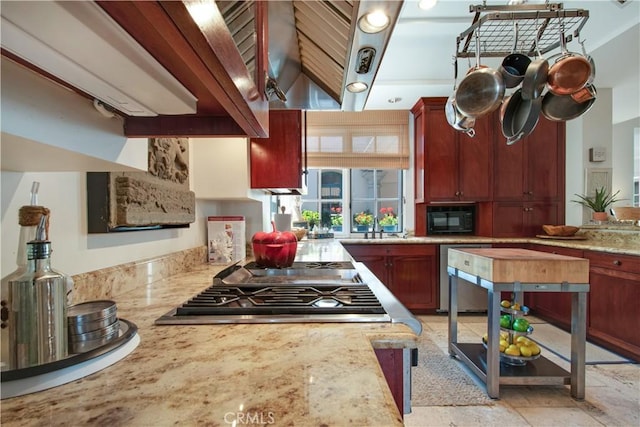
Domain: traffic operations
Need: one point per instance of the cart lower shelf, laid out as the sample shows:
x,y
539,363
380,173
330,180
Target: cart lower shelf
x,y
536,372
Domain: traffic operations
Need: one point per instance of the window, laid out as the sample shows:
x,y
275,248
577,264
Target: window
x,y
355,200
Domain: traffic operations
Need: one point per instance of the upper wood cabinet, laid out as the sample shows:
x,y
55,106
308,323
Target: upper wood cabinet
x,y
450,165
533,168
518,187
276,161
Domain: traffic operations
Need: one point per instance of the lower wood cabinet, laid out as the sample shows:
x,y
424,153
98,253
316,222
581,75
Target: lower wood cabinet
x,y
614,289
409,271
613,302
391,363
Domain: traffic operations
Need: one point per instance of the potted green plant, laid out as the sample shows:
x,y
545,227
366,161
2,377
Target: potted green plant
x,y
389,220
363,220
598,203
312,218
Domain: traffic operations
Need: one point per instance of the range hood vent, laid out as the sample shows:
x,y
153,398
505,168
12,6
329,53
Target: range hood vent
x,y
93,54
314,52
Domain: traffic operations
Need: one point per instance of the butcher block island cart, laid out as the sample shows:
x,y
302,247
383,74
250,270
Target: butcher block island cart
x,y
516,271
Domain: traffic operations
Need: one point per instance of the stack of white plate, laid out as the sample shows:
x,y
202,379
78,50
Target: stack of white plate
x,y
92,324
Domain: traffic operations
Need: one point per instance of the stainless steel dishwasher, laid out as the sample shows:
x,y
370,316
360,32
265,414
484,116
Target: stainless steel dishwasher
x,y
470,298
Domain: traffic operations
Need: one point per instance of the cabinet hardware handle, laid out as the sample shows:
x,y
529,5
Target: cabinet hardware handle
x,y
617,262
466,262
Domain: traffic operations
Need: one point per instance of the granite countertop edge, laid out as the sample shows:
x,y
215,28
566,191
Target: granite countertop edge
x,y
288,374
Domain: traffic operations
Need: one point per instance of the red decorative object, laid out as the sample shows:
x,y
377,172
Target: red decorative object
x,y
274,249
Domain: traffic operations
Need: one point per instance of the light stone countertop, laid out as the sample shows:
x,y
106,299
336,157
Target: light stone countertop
x,y
268,374
627,243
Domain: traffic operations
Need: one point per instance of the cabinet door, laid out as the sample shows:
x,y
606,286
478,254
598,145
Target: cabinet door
x,y
615,288
517,219
508,182
276,162
374,257
475,161
508,219
544,178
539,213
413,281
441,155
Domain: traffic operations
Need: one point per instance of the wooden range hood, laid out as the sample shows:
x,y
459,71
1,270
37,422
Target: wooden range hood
x,y
165,74
204,58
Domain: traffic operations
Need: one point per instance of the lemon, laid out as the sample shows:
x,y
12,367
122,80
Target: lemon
x,y
515,306
503,345
535,350
485,338
512,350
523,340
505,303
525,351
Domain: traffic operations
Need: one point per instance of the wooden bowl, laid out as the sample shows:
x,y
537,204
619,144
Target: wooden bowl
x,y
560,230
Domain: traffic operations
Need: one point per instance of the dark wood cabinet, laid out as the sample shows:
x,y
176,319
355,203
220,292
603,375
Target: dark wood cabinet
x,y
517,187
409,271
515,219
450,165
554,307
276,161
529,182
392,365
613,319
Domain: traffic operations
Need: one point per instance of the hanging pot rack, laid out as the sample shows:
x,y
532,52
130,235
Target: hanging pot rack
x,y
495,25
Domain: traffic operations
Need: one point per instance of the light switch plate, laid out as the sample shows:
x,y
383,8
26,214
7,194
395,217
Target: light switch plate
x,y
597,154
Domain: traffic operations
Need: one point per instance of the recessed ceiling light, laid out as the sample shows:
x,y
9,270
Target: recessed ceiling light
x,y
357,87
373,22
427,4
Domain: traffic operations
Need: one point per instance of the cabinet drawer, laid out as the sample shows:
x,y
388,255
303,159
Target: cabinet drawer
x,y
357,250
622,263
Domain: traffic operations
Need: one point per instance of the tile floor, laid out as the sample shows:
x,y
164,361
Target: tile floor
x,y
612,393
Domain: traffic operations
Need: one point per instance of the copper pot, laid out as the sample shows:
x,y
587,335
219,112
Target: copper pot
x,y
569,73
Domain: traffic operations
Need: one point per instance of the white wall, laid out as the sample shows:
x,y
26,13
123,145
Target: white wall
x,y
609,124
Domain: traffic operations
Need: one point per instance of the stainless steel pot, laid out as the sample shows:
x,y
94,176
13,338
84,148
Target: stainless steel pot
x,y
481,91
455,118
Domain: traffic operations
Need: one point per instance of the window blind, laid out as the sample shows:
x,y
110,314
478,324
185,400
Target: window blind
x,y
355,140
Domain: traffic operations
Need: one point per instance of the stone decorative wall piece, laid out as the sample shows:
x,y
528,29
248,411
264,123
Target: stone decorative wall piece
x,y
135,200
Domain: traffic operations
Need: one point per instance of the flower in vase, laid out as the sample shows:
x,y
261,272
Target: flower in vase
x,y
388,217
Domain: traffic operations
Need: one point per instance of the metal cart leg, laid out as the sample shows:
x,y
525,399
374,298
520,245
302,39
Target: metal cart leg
x,y
493,350
453,312
578,338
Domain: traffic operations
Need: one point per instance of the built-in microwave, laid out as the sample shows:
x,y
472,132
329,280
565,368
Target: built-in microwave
x,y
457,219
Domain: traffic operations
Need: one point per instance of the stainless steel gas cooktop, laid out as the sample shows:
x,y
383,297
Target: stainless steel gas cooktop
x,y
304,292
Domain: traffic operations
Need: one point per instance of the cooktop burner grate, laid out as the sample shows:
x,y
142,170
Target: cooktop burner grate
x,y
311,299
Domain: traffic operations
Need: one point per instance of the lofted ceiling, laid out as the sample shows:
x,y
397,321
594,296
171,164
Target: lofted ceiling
x,y
418,59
